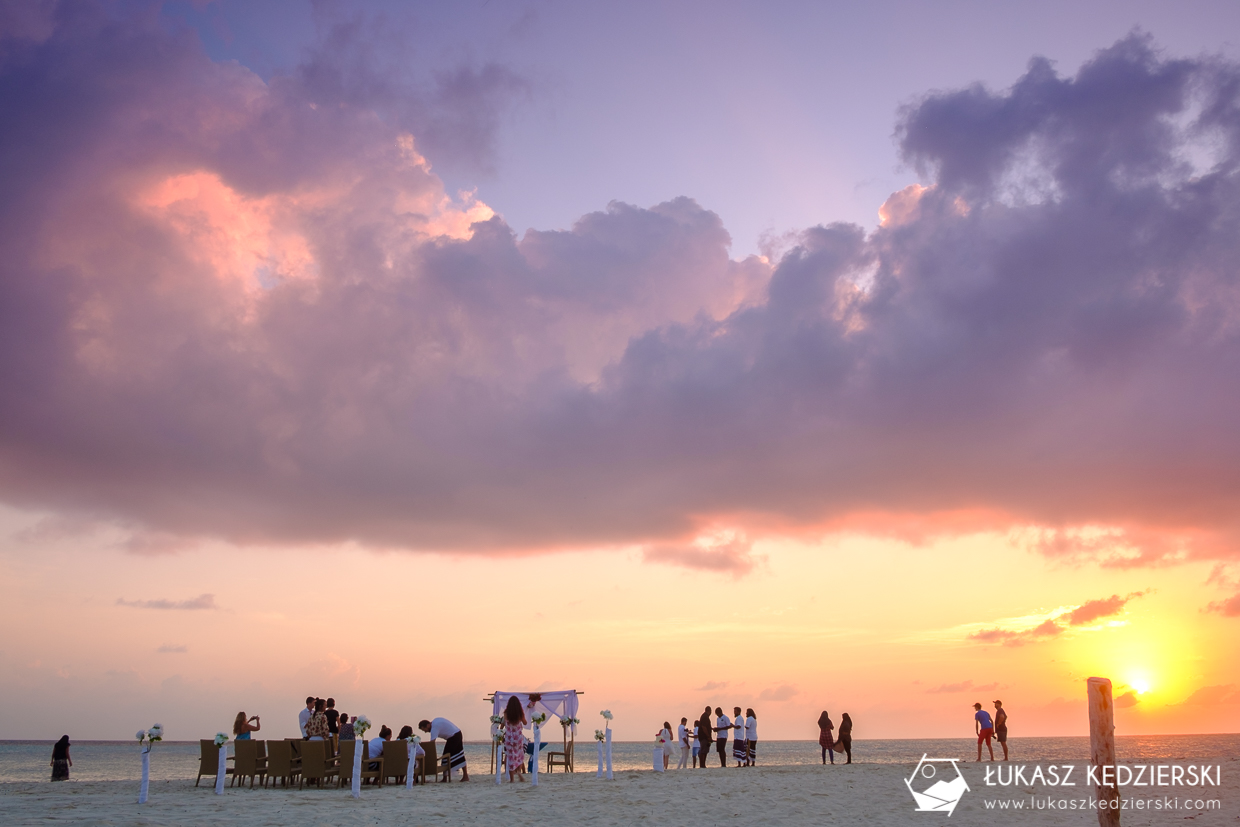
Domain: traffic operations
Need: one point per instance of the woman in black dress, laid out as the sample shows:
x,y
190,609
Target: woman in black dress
x,y
61,760
845,742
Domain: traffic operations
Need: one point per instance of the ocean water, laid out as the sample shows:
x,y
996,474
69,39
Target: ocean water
x,y
175,760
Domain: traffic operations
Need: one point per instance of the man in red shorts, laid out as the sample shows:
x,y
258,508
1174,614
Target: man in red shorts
x,y
985,729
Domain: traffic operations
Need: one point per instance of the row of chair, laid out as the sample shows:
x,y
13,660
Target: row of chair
x,y
311,761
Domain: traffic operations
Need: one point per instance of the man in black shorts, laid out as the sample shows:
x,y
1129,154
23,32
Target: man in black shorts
x,y
1001,727
721,735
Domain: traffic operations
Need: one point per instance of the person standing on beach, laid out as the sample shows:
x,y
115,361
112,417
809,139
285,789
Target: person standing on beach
x,y
682,738
453,743
514,739
723,725
333,722
705,737
740,751
845,742
984,728
1001,727
826,737
751,737
316,727
304,717
61,760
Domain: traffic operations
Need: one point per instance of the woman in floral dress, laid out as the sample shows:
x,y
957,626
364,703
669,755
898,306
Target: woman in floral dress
x,y
514,738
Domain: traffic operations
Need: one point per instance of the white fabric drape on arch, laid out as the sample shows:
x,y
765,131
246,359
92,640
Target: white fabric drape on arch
x,y
562,703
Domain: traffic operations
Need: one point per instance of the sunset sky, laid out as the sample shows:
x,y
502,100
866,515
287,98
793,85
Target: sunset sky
x,y
879,360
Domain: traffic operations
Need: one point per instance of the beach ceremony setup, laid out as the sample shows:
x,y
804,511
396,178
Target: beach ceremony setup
x,y
527,412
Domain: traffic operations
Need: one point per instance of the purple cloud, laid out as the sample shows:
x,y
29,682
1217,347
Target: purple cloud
x,y
201,602
242,309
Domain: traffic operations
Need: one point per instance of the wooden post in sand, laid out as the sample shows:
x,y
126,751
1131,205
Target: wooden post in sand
x,y
1102,750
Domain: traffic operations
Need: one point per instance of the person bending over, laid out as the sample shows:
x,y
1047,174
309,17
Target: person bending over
x,y
453,742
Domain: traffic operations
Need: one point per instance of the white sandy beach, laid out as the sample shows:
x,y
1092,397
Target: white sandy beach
x,y
857,794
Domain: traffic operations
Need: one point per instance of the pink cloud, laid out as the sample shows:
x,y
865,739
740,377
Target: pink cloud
x,y
249,310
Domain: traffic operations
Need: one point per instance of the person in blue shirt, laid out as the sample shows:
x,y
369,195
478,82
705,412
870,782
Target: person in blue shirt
x,y
985,730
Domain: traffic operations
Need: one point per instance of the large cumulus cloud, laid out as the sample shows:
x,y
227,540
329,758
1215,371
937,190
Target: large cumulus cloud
x,y
248,310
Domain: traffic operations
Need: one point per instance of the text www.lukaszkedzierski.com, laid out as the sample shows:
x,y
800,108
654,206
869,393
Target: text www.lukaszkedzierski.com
x,y
1035,802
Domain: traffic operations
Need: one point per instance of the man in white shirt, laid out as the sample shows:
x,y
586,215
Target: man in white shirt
x,y
751,736
723,726
453,742
304,717
682,738
739,751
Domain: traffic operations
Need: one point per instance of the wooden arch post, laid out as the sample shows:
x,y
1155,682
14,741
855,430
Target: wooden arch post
x,y
1102,749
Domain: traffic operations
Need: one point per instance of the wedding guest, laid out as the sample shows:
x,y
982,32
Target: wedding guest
x,y
406,732
739,750
682,738
751,737
514,739
61,760
664,737
453,744
242,727
304,717
701,743
1001,727
826,736
376,744
984,729
346,729
723,725
845,742
316,727
333,722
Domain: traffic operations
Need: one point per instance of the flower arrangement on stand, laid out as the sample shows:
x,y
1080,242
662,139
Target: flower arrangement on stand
x,y
607,716
360,724
221,771
412,745
146,739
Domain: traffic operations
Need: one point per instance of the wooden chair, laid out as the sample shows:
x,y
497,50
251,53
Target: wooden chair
x,y
345,763
562,757
315,765
432,759
250,761
396,761
208,759
281,764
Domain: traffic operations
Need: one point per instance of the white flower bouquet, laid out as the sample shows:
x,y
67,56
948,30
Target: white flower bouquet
x,y
360,724
540,718
497,719
599,735
150,736
414,739
606,713
498,737
221,738
569,721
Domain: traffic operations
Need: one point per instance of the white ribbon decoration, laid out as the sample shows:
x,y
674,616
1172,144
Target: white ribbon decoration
x,y
501,761
146,774
358,745
413,751
609,775
222,770
600,759
534,765
658,759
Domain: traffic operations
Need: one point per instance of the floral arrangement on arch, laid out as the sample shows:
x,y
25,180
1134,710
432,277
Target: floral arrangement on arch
x,y
567,722
498,720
